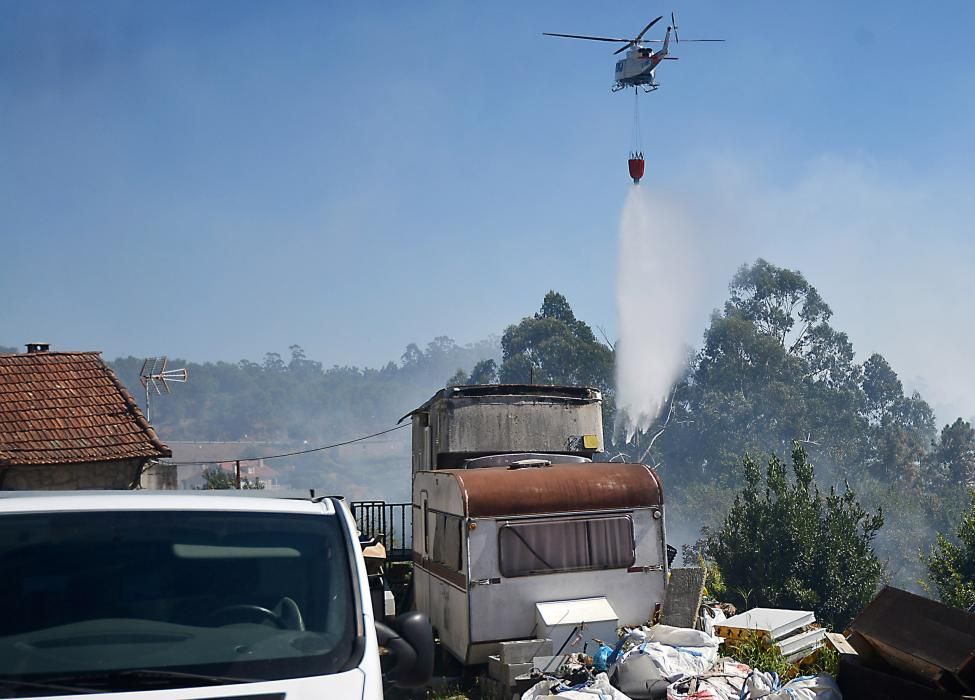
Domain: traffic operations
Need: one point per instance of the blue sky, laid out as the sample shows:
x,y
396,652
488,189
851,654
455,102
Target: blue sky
x,y
215,180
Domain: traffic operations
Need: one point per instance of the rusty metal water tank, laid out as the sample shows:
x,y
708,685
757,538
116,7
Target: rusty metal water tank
x,y
462,423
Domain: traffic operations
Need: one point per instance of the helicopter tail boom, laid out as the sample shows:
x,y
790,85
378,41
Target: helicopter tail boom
x,y
666,46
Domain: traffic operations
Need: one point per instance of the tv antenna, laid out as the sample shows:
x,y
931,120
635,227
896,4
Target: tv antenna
x,y
156,377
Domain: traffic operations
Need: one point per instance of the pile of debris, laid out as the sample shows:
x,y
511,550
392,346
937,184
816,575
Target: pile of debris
x,y
662,661
900,646
689,652
695,651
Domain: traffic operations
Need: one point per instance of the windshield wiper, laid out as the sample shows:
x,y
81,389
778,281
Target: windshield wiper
x,y
126,678
163,674
46,686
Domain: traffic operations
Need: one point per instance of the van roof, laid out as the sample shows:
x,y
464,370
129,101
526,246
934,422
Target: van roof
x,y
253,500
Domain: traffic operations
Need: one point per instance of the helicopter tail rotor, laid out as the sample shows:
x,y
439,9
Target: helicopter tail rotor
x,y
673,23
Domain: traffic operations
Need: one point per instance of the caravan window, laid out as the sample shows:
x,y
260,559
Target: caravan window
x,y
447,541
566,545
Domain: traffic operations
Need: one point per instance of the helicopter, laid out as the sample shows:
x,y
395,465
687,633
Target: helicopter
x,y
638,68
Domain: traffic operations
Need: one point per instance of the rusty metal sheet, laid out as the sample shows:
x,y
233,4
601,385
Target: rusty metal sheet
x,y
559,488
920,637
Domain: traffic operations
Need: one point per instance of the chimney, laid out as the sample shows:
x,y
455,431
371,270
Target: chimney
x,y
38,347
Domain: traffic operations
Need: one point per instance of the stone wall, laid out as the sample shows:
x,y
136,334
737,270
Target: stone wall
x,y
119,474
160,477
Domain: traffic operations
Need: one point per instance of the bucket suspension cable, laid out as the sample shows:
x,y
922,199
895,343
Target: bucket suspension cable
x,y
636,123
635,163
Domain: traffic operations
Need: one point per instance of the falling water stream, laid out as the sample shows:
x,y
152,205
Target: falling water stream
x,y
657,290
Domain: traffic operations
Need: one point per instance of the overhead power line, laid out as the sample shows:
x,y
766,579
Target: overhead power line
x,y
289,454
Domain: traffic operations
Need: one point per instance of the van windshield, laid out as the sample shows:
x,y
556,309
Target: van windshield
x,y
136,600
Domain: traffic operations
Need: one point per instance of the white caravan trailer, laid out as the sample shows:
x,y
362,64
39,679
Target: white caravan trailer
x,y
492,543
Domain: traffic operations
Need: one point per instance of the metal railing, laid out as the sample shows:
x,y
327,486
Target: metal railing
x,y
392,523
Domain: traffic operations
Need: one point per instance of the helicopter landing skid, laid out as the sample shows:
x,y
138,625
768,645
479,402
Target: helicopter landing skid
x,y
647,87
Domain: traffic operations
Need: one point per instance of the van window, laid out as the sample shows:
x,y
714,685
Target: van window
x,y
447,541
145,600
426,524
548,546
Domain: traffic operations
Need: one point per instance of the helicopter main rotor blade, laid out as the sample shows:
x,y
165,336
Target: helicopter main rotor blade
x,y
589,38
634,42
646,29
660,41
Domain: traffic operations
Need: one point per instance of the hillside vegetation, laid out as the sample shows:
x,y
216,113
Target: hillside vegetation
x,y
772,372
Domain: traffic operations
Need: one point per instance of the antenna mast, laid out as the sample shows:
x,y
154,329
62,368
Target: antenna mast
x,y
156,377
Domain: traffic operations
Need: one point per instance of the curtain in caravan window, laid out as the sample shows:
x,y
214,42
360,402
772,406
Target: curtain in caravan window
x,y
532,548
611,542
453,543
566,545
447,541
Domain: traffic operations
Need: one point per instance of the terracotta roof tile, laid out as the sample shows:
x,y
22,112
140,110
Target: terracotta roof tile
x,y
64,407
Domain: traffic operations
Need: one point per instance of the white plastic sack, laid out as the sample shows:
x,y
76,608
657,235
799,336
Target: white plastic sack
x,y
760,684
599,690
723,682
676,662
681,636
677,651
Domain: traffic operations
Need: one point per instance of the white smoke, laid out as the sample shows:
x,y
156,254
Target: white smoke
x,y
886,244
656,299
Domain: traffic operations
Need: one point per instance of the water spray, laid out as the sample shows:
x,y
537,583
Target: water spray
x,y
657,285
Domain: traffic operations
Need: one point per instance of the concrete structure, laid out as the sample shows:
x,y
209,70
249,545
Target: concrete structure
x,y
67,422
466,422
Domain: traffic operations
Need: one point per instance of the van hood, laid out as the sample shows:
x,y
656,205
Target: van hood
x,y
350,684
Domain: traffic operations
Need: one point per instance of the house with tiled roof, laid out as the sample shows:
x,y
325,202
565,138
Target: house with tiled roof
x,y
67,422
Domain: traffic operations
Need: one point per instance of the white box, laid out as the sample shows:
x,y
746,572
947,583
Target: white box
x,y
578,621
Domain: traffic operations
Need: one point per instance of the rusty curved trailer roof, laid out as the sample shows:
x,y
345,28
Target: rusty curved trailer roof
x,y
559,488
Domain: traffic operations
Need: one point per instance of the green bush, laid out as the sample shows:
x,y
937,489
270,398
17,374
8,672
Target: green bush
x,y
784,544
951,566
218,479
759,653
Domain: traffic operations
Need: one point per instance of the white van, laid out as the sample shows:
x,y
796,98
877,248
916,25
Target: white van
x,y
192,595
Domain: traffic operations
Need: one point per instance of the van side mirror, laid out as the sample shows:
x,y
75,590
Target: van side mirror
x,y
409,640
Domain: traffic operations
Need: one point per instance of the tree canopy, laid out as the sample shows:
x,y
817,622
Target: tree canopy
x,y
554,347
772,370
218,479
784,544
951,563
294,399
